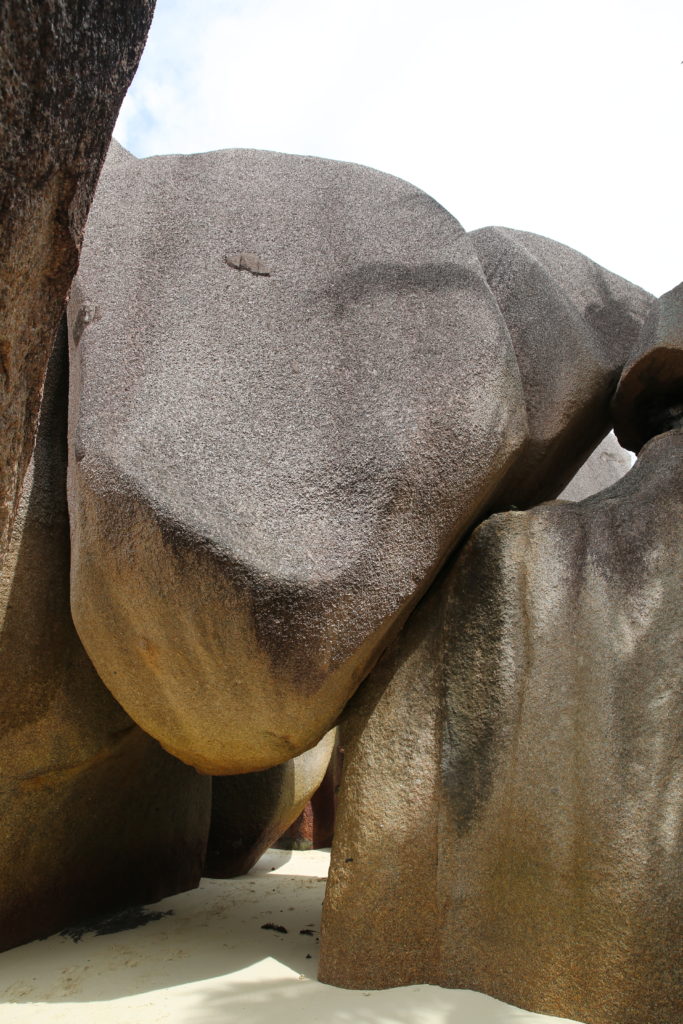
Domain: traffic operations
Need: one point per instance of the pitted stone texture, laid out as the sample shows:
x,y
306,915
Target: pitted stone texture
x,y
250,812
608,463
64,70
649,399
94,815
511,812
266,471
573,326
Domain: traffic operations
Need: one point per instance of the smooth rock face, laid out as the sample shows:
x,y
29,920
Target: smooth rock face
x,y
608,463
314,828
64,70
573,326
267,470
250,812
511,813
94,815
649,398
294,391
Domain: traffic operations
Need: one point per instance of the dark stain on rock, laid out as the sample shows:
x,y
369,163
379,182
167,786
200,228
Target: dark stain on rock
x,y
472,710
372,279
126,920
249,261
86,315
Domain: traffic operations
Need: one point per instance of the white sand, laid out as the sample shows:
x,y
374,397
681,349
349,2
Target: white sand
x,y
210,961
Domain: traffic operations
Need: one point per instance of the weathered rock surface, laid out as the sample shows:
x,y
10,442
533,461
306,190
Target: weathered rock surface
x,y
649,398
608,463
64,70
266,470
250,812
94,815
573,325
294,392
314,828
511,809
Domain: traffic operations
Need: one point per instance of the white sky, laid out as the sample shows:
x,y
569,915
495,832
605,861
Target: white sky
x,y
559,118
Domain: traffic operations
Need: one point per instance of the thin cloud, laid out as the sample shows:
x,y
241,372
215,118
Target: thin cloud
x,y
561,120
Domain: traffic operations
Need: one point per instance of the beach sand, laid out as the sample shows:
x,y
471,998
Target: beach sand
x,y
204,957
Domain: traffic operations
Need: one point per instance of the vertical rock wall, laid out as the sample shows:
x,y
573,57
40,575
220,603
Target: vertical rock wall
x,y
511,814
64,70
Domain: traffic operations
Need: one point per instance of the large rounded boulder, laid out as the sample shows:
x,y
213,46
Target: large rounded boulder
x,y
292,392
295,387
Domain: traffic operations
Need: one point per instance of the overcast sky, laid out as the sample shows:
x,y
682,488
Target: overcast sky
x,y
560,118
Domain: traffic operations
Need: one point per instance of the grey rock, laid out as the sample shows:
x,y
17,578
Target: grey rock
x,y
511,812
573,325
64,70
649,398
94,815
250,812
248,261
268,471
608,463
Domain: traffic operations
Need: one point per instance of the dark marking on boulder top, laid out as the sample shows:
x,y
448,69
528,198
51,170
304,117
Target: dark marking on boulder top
x,y
248,261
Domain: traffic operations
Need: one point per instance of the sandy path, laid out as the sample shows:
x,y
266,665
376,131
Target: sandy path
x,y
208,960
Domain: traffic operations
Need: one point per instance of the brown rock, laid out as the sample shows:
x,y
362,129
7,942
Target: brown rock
x,y
649,398
94,815
64,70
381,918
314,828
250,812
511,813
267,470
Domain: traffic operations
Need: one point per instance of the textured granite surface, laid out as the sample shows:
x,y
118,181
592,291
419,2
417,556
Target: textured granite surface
x,y
608,463
649,398
294,390
250,812
266,471
573,326
64,70
94,815
511,810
